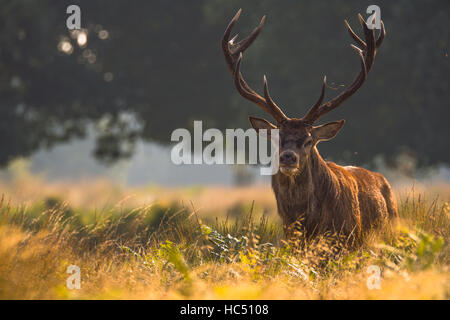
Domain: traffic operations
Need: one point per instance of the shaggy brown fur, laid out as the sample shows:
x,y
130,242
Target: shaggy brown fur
x,y
326,197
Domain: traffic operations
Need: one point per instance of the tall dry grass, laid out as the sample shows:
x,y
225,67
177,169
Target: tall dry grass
x,y
206,243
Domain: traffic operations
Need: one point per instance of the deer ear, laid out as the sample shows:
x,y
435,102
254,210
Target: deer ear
x,y
258,123
327,131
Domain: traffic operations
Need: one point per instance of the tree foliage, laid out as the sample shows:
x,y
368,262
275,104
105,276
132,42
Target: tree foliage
x,y
152,66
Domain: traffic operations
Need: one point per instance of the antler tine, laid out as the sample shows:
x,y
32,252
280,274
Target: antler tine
x,y
309,117
370,42
226,35
354,35
269,106
233,56
360,42
382,35
239,83
364,70
245,43
272,103
367,55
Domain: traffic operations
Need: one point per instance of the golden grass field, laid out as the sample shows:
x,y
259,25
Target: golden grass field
x,y
206,243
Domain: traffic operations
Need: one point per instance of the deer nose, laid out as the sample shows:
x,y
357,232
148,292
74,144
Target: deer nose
x,y
288,158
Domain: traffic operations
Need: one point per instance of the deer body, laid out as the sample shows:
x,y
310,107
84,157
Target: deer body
x,y
322,196
326,197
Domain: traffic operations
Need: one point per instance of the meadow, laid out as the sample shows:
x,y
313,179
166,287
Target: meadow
x,y
207,243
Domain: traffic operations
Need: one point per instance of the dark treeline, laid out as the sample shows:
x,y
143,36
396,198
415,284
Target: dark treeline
x,y
161,62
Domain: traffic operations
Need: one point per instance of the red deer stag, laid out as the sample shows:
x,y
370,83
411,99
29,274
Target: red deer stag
x,y
322,196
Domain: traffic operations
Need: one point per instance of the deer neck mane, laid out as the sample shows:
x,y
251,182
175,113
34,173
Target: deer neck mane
x,y
324,182
309,189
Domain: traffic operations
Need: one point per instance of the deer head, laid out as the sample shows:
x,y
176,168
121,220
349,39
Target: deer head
x,y
298,136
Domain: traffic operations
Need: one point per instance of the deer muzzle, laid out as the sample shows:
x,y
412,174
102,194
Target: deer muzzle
x,y
288,162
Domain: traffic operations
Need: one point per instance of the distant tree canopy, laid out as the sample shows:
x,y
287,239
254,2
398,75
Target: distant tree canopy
x,y
149,67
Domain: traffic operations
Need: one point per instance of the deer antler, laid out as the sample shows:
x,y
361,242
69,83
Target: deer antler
x,y
233,56
366,51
